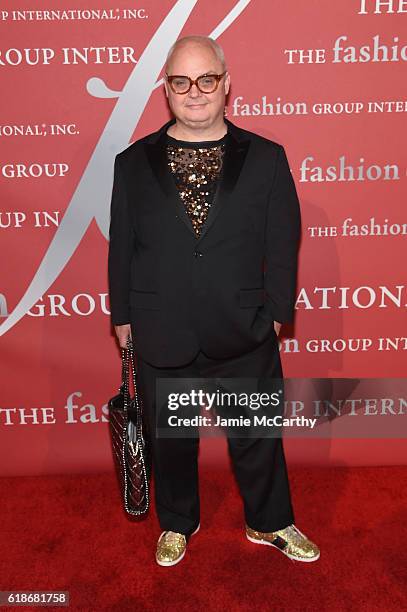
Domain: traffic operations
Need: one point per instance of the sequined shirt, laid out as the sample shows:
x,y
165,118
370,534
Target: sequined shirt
x,y
196,168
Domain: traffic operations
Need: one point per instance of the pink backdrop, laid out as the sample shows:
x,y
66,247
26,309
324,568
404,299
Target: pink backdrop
x,y
77,87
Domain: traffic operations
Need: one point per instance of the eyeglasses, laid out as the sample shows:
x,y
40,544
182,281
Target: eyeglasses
x,y
206,83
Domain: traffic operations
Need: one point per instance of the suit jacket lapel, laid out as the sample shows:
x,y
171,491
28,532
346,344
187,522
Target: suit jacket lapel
x,y
157,156
234,157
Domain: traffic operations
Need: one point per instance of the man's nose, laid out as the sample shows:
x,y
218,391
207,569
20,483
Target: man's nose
x,y
194,91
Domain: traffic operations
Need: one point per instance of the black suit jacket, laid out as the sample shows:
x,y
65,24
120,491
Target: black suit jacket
x,y
219,292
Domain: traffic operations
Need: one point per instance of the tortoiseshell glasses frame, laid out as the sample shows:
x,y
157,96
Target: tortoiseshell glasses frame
x,y
201,86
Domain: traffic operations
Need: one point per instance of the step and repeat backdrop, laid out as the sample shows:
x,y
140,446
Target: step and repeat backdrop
x,y
80,80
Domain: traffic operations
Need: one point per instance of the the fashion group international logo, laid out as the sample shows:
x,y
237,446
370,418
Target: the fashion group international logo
x,y
91,199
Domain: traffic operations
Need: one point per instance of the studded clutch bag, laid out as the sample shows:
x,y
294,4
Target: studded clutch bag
x,y
130,444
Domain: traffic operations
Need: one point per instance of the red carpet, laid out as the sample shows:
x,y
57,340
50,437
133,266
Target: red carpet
x,y
70,533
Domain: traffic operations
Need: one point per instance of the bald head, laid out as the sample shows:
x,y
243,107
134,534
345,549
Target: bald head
x,y
195,44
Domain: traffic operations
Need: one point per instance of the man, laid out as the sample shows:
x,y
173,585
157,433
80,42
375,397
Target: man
x,y
198,208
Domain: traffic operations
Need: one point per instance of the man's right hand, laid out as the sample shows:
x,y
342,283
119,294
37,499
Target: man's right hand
x,y
122,333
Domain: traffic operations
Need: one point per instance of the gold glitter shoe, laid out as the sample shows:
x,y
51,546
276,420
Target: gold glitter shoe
x,y
290,540
171,547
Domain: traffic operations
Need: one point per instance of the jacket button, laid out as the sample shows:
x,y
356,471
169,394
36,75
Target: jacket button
x,y
198,254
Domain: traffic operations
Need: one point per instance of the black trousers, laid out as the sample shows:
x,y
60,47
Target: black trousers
x,y
259,463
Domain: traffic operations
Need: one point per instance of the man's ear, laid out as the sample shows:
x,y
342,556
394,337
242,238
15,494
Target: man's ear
x,y
166,87
227,83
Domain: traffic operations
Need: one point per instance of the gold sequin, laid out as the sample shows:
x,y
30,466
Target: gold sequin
x,y
290,540
196,171
170,547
